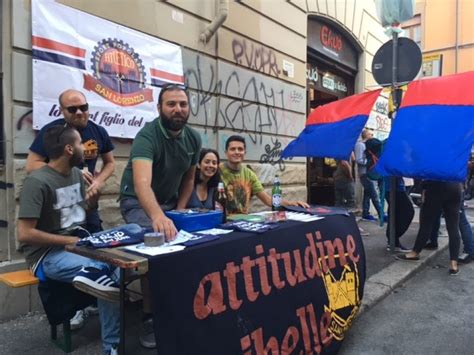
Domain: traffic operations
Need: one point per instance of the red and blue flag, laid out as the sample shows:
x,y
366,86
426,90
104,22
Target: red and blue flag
x,y
433,132
332,130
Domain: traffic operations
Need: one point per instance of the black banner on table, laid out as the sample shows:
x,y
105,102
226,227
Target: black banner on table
x,y
295,288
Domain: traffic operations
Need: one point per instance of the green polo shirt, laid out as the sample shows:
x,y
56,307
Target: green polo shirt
x,y
171,158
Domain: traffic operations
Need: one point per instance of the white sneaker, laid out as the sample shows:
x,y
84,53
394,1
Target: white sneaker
x,y
91,310
78,320
97,283
114,350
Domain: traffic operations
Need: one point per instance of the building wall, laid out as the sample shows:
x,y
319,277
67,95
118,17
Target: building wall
x,y
232,89
439,20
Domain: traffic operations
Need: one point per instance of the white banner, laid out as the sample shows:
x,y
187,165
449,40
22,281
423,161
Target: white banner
x,y
118,69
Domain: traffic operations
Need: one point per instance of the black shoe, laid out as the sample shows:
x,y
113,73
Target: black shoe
x,y
399,249
431,246
405,257
147,335
465,258
454,272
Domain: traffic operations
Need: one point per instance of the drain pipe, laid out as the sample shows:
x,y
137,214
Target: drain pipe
x,y
456,50
206,35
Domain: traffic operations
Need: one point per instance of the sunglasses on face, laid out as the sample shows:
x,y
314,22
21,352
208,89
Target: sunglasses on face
x,y
172,86
73,109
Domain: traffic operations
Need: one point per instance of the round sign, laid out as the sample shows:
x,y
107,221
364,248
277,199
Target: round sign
x,y
409,62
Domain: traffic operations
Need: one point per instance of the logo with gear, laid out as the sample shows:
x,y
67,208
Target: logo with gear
x,y
344,300
118,74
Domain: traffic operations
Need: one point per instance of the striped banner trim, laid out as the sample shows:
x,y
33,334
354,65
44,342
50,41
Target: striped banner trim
x,y
58,46
58,59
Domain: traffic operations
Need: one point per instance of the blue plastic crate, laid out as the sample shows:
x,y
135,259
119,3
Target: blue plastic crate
x,y
191,220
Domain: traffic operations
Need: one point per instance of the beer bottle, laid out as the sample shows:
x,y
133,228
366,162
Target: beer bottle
x,y
276,194
222,199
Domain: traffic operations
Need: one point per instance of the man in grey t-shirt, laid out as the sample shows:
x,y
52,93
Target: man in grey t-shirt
x,y
52,209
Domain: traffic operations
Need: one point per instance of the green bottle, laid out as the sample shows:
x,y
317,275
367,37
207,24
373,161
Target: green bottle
x,y
276,194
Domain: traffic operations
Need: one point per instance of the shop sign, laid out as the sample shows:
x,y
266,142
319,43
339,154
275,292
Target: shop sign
x,y
341,86
328,82
312,74
330,39
333,84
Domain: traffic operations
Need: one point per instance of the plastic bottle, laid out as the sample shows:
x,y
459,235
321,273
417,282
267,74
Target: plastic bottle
x,y
222,199
276,194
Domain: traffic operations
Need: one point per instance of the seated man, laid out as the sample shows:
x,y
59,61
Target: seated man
x,y
52,208
241,183
95,140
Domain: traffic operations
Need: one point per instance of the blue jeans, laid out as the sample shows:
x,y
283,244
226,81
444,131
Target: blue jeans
x,y
369,194
63,266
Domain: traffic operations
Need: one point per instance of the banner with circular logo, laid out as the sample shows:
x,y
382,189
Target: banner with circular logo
x,y
118,69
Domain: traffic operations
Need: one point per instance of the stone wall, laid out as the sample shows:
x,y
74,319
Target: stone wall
x,y
239,83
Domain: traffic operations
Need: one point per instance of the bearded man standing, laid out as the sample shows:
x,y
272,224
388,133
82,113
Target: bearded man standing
x,y
160,175
160,172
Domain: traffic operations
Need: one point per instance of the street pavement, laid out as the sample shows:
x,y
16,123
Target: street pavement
x,y
432,313
386,278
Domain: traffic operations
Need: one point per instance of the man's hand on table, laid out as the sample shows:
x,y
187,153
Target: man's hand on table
x,y
166,226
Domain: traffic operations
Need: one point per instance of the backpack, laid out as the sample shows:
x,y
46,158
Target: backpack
x,y
373,150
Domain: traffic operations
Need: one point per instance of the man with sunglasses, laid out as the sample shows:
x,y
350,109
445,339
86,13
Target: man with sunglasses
x,y
160,175
96,141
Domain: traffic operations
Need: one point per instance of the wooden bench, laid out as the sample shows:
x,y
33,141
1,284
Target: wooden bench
x,y
19,278
24,278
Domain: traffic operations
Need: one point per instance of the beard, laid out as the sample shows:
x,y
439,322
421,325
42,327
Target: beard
x,y
77,158
175,123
